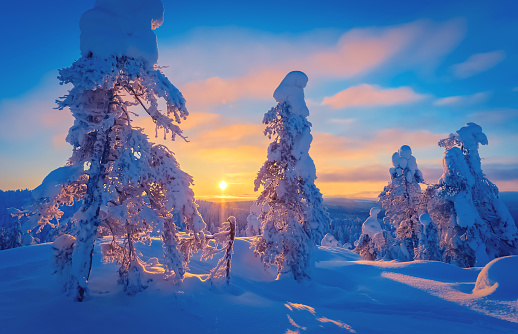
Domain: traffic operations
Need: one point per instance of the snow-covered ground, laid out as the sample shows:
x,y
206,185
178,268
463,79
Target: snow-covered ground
x,y
345,295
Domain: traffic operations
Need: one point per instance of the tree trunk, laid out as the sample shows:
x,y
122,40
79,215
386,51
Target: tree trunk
x,y
87,225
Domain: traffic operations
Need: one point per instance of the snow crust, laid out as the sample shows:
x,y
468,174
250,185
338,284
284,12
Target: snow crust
x,y
291,91
499,279
122,27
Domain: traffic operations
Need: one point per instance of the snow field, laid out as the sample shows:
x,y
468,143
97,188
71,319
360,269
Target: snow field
x,y
345,295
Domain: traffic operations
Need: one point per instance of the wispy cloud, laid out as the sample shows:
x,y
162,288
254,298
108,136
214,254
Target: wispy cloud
x,y
201,95
502,116
228,64
463,100
354,174
478,63
372,95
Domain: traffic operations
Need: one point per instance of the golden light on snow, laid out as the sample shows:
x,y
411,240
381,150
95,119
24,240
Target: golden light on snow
x,y
223,185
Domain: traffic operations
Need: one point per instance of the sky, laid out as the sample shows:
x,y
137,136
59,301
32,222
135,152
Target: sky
x,y
382,74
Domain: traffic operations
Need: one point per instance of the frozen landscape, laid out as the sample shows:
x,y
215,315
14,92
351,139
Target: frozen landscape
x,y
345,295
116,239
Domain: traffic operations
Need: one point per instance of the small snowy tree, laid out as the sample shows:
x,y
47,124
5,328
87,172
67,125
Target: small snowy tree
x,y
374,243
126,184
429,248
474,225
225,237
293,218
400,200
329,241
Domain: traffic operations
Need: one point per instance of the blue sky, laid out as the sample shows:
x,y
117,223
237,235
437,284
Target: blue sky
x,y
382,74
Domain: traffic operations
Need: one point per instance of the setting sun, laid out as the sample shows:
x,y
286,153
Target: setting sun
x,y
223,185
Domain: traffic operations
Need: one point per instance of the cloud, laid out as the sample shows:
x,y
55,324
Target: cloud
x,y
503,116
463,100
515,89
501,172
355,174
478,63
229,64
203,94
331,150
372,95
33,114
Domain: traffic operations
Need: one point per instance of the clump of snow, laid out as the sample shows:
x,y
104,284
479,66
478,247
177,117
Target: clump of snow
x,y
291,91
122,27
329,241
51,185
425,220
471,135
499,278
371,226
405,163
63,242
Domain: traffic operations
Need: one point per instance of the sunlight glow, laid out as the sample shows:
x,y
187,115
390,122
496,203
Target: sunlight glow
x,y
223,185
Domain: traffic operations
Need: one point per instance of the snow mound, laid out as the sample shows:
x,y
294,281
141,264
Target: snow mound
x,y
499,279
329,241
291,91
122,27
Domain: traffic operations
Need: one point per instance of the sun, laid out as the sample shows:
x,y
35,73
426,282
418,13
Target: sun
x,y
223,185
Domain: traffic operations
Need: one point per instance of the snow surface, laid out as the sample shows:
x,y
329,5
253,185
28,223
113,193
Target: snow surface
x,y
122,27
345,295
291,90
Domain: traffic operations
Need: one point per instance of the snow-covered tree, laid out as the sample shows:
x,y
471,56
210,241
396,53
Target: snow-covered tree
x,y
126,184
400,200
292,215
374,243
329,241
429,248
474,224
225,238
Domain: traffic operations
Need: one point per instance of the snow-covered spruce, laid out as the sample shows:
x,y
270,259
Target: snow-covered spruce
x,y
474,224
400,200
126,183
290,208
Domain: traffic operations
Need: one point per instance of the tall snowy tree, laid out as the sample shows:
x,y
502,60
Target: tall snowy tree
x,y
400,200
290,208
474,224
126,183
